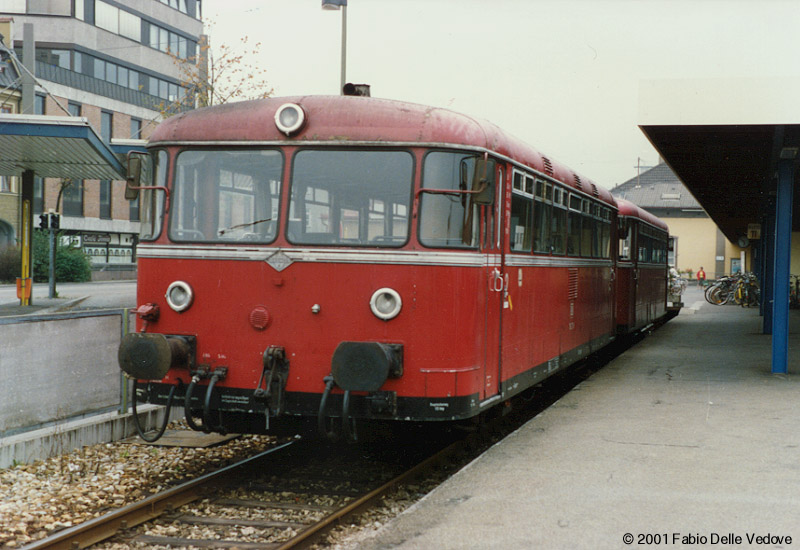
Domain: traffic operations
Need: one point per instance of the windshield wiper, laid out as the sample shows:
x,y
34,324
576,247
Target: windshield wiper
x,y
239,226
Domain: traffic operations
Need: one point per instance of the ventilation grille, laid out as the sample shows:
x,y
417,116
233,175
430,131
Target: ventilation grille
x,y
578,181
548,166
572,292
594,191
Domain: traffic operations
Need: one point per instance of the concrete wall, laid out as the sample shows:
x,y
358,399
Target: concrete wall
x,y
54,367
58,378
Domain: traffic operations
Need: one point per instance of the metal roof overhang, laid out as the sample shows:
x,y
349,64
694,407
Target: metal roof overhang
x,y
55,147
723,139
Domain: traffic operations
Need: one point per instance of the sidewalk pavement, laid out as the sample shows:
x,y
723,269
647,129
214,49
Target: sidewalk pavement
x,y
39,306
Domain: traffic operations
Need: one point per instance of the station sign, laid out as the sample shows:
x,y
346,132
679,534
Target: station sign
x,y
96,238
753,231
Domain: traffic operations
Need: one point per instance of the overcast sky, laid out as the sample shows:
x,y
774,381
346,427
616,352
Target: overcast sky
x,y
562,75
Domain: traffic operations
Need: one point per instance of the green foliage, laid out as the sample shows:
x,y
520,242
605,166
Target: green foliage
x,y
10,264
72,265
41,255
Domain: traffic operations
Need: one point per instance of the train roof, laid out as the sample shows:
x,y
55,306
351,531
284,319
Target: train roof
x,y
627,208
354,120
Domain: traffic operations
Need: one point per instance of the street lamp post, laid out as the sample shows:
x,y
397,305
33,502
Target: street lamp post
x,y
335,5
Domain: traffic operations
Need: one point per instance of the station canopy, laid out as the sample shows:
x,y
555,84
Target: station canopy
x,y
723,139
59,147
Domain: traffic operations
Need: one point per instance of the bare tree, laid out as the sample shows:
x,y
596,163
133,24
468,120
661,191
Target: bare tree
x,y
218,75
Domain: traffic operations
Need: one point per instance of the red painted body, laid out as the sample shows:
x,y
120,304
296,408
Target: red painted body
x,y
478,323
641,293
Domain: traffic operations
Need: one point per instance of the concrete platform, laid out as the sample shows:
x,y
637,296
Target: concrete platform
x,y
688,434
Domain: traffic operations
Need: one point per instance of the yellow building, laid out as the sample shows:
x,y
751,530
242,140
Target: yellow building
x,y
697,242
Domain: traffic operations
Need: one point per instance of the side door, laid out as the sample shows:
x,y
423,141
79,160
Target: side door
x,y
493,230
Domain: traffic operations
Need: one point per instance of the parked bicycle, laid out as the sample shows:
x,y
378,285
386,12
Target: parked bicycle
x,y
740,289
794,291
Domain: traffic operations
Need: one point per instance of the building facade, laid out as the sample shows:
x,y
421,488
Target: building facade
x,y
9,186
696,240
118,65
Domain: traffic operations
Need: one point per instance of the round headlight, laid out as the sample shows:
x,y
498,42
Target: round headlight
x,y
289,118
385,303
179,296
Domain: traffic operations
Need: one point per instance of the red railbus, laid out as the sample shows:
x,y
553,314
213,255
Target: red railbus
x,y
337,259
642,261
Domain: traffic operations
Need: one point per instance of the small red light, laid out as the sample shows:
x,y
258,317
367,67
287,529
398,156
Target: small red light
x,y
148,312
260,318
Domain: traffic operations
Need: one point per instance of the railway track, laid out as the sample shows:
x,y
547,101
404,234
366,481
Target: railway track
x,y
291,495
239,506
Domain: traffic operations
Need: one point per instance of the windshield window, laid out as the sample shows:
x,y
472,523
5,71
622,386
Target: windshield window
x,y
448,220
350,198
151,201
226,196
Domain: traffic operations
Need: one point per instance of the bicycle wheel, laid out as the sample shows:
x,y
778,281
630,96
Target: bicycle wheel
x,y
716,295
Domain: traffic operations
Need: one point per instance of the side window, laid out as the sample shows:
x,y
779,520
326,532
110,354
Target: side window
x,y
605,235
521,207
586,229
151,200
595,212
559,221
574,226
625,243
448,220
541,217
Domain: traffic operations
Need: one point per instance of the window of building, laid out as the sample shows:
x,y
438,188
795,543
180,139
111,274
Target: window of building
x,y
38,195
130,26
105,199
136,128
74,108
118,21
50,7
106,16
38,104
72,199
165,41
134,209
110,72
106,122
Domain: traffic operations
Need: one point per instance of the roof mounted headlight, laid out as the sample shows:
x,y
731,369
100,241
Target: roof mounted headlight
x,y
180,296
386,303
290,118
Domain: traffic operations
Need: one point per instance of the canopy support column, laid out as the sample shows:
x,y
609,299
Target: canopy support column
x,y
768,263
26,239
783,249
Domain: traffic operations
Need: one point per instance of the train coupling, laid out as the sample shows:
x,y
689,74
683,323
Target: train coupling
x,y
148,356
271,386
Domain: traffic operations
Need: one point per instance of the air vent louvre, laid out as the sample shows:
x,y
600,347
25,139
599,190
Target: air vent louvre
x,y
578,181
548,166
572,292
594,191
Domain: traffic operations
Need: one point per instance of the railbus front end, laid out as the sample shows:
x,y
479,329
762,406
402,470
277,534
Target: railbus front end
x,y
331,259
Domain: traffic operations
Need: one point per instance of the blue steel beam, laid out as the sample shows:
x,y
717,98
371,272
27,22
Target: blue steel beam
x,y
783,249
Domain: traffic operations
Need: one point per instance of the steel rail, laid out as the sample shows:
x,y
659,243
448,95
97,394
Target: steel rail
x,y
314,532
105,526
